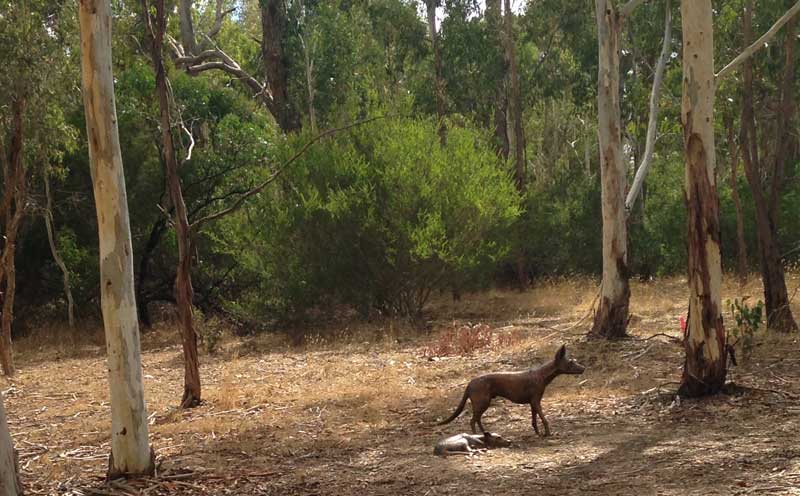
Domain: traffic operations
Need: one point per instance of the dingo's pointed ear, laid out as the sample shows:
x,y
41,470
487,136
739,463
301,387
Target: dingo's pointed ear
x,y
561,353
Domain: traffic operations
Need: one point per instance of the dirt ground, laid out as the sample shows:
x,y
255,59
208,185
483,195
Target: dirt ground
x,y
353,410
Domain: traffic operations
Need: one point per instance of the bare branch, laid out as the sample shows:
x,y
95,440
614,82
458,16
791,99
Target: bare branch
x,y
218,18
759,43
652,125
48,221
277,172
191,143
627,9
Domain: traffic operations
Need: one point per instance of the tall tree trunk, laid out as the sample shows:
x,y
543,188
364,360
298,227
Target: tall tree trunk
x,y
493,11
437,67
15,182
514,129
741,245
130,448
779,313
309,66
273,26
183,279
516,135
9,470
187,27
706,358
611,318
48,221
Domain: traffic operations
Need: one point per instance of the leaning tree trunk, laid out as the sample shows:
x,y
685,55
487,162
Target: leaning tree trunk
x,y
437,67
183,278
130,448
610,321
9,479
779,313
51,238
741,245
705,366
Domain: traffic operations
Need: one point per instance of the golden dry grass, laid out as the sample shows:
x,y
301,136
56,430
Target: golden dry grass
x,y
354,413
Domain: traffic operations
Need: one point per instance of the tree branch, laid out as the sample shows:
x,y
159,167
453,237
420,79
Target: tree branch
x,y
277,172
758,44
202,62
218,18
626,10
652,125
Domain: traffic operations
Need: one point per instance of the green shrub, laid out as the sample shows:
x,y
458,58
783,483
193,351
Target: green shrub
x,y
748,319
375,219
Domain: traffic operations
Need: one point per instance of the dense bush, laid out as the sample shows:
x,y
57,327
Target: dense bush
x,y
376,219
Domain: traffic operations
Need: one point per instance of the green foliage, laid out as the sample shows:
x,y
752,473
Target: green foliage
x,y
376,219
748,320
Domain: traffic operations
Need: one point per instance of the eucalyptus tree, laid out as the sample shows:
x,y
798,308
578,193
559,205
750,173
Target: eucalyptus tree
x,y
130,446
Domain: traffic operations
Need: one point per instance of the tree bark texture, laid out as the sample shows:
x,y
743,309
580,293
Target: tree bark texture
x,y
130,448
704,370
183,278
273,27
610,320
16,183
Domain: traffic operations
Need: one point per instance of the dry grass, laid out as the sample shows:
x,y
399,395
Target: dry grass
x,y
353,412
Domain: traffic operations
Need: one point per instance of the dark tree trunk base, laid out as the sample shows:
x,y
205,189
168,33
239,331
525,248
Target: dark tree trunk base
x,y
190,399
692,387
112,473
782,320
611,321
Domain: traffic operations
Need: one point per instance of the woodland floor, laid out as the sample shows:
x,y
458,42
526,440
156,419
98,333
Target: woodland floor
x,y
354,412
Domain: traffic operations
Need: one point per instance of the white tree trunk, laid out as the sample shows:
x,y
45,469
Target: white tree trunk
x,y
9,483
705,367
309,66
652,124
612,313
130,449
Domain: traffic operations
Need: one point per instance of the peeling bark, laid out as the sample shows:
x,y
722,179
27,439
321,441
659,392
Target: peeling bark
x,y
704,370
130,448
